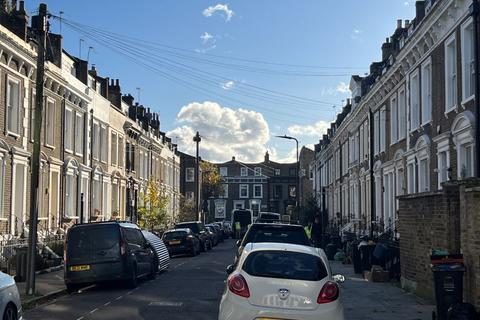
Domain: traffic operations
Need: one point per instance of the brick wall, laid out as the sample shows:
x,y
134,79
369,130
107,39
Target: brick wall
x,y
425,222
449,219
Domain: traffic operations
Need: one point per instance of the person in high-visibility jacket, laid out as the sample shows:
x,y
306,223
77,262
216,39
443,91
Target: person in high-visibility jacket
x,y
237,229
308,230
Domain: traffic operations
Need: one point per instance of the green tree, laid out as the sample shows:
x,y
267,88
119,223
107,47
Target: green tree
x,y
187,210
211,180
153,214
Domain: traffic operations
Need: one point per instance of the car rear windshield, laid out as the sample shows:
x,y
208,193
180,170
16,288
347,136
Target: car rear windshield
x,y
285,265
174,235
192,226
279,234
93,244
269,217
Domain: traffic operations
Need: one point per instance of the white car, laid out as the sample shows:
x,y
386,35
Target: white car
x,y
10,305
281,281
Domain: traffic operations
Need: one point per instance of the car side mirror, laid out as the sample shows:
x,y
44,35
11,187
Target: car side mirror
x,y
338,278
238,243
230,269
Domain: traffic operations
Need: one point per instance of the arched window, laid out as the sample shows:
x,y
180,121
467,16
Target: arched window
x,y
71,176
422,149
463,138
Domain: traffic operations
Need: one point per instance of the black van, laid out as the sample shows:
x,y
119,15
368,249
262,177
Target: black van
x,y
107,251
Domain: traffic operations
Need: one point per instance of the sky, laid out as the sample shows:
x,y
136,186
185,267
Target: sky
x,y
239,72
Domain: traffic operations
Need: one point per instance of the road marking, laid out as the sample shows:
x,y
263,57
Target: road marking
x,y
118,298
106,304
80,318
179,265
96,309
165,304
130,292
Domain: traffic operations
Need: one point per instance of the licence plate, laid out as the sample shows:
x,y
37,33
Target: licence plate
x,y
174,242
80,268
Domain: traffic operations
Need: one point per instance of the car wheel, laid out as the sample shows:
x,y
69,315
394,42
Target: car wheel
x,y
10,312
71,288
153,271
133,281
193,253
209,246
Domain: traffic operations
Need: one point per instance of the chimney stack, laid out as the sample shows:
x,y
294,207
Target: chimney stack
x,y
387,49
420,11
399,23
233,158
267,157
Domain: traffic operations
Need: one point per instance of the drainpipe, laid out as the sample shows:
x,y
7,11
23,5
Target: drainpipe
x,y
474,10
62,171
372,178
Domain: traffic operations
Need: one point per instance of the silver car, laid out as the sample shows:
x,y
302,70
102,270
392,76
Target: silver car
x,y
10,305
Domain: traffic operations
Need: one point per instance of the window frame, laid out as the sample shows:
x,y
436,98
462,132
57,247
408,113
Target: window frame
x,y
426,98
402,113
187,175
18,82
79,115
240,191
223,171
243,172
394,119
450,40
468,23
49,101
69,130
415,117
255,191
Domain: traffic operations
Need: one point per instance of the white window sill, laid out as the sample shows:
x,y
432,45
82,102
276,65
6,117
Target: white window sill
x,y
13,134
50,146
450,110
72,217
467,100
68,151
3,219
428,122
79,154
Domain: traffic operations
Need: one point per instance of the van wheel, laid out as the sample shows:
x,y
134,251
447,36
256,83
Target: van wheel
x,y
10,313
71,288
133,281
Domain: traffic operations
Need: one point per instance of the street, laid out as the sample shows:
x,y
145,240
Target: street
x,y
191,288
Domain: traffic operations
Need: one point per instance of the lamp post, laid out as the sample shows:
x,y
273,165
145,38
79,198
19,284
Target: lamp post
x,y
297,188
197,140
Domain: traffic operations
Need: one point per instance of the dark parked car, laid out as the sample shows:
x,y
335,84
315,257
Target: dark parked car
x,y
268,217
179,241
198,230
212,234
217,230
160,250
227,227
270,232
107,251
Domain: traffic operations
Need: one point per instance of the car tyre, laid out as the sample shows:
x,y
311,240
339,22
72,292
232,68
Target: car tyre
x,y
133,281
193,253
210,246
71,288
153,272
10,312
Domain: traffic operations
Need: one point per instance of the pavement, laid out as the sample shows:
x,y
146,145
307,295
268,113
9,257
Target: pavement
x,y
47,286
365,300
192,289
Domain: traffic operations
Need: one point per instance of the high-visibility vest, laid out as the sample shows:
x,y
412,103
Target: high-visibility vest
x,y
308,231
237,225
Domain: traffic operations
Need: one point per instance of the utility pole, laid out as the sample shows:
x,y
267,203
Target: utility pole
x,y
40,29
197,140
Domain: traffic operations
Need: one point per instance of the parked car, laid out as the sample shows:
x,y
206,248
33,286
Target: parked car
x,y
218,232
227,226
198,230
181,241
281,281
266,217
107,251
212,236
160,250
269,232
222,230
10,305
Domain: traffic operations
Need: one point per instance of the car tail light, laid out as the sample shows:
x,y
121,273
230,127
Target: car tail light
x,y
190,237
123,249
238,285
328,293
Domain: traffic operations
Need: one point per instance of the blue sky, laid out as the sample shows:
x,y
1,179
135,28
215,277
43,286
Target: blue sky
x,y
343,37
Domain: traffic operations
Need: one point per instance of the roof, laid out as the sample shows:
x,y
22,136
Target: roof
x,y
262,246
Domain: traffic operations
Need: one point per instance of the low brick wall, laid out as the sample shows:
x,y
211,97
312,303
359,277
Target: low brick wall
x,y
426,221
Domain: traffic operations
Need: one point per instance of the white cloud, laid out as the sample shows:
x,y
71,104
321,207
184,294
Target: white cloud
x,y
204,50
228,85
226,132
206,37
356,34
227,13
315,130
342,87
290,157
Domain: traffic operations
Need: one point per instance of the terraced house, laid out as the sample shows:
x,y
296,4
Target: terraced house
x,y
98,149
410,124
